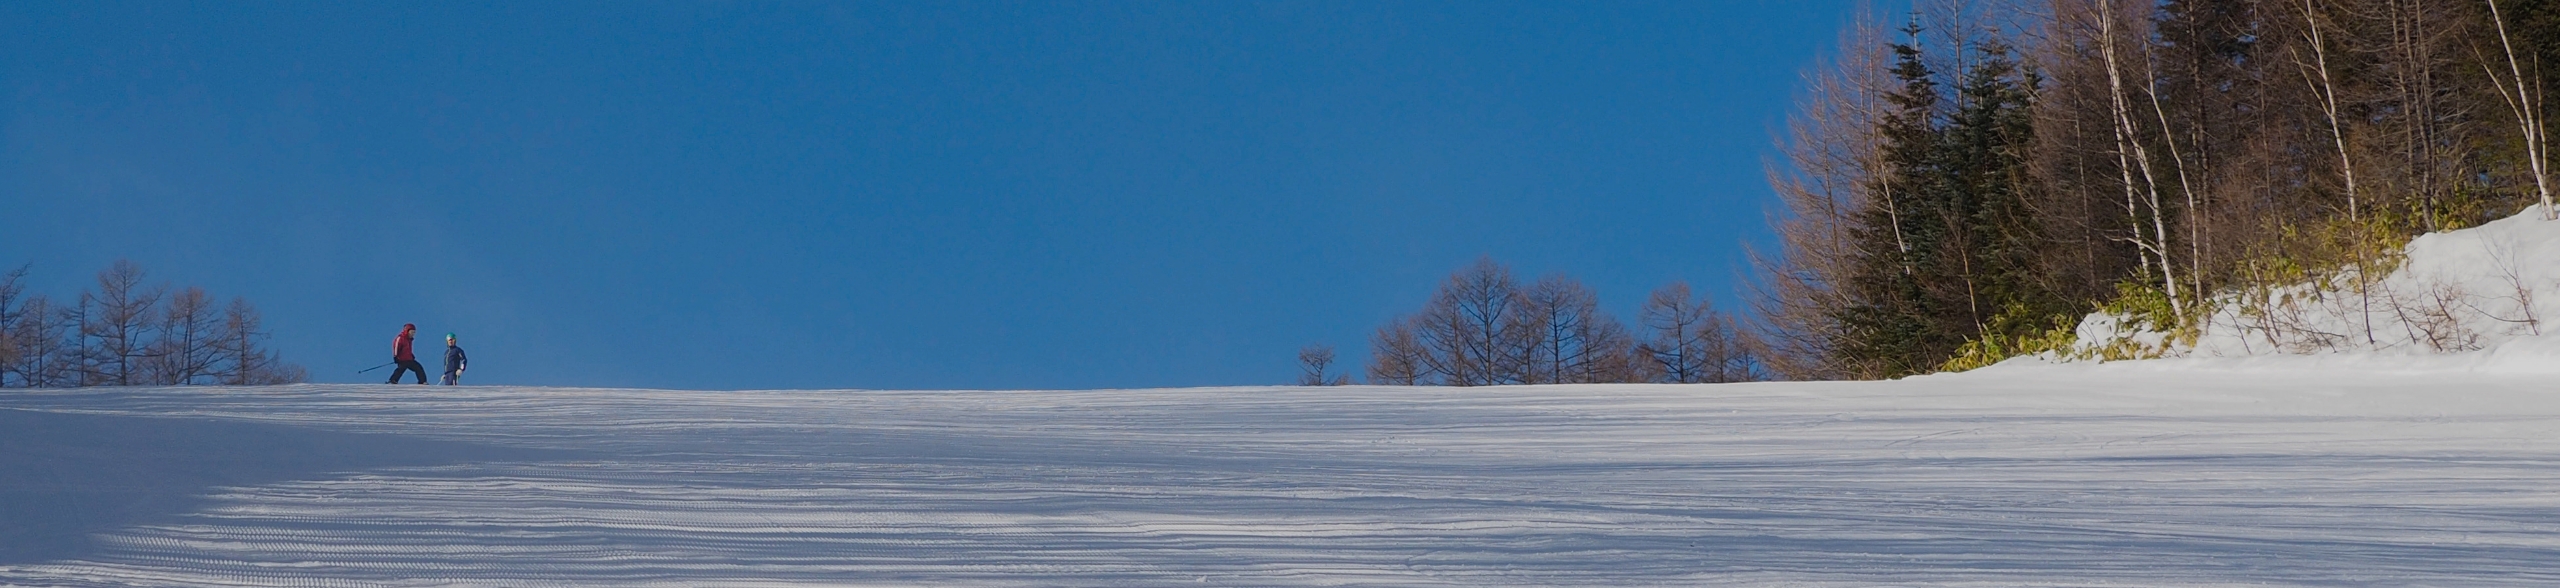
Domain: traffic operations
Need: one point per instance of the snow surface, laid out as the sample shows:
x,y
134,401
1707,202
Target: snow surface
x,y
2470,293
2121,474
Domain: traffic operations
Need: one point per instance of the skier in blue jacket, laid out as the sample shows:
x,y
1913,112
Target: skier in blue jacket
x,y
454,361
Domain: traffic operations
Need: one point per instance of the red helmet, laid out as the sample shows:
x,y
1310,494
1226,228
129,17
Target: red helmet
x,y
409,327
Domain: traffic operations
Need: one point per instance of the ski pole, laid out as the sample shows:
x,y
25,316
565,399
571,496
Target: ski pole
x,y
375,367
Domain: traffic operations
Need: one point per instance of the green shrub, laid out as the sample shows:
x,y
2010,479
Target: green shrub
x,y
2035,334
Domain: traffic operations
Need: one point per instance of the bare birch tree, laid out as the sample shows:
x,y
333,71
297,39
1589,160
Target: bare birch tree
x,y
2527,106
2326,90
2131,155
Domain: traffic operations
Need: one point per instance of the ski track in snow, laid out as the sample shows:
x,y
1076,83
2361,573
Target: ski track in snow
x,y
2082,475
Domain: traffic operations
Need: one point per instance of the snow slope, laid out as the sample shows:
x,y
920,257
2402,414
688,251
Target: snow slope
x,y
2123,474
2481,298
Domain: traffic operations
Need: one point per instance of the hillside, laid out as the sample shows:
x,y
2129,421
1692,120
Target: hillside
x,y
2139,473
2481,298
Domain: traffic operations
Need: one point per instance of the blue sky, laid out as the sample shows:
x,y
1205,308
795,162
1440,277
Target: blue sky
x,y
885,195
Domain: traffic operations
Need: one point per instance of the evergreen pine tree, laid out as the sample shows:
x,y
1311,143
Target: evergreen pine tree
x,y
1890,316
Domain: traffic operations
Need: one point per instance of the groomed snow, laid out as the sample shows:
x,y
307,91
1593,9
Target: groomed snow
x,y
2128,474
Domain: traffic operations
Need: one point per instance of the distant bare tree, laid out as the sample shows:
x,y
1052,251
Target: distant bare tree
x,y
43,359
240,360
1482,328
1572,342
1472,327
124,333
1315,363
1397,357
185,352
1691,342
122,324
12,314
79,360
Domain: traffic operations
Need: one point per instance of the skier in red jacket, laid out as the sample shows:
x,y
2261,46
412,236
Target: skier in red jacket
x,y
400,354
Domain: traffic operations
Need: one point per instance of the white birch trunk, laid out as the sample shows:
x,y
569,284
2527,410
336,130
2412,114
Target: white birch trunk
x,y
2528,111
2128,147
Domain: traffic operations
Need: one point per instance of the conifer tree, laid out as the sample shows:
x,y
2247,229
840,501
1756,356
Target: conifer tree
x,y
1892,317
1948,254
2007,291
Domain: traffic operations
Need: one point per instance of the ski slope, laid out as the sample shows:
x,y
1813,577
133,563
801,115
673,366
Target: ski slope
x,y
2125,474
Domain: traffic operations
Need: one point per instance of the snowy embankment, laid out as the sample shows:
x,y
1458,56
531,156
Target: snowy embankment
x,y
2479,299
2024,475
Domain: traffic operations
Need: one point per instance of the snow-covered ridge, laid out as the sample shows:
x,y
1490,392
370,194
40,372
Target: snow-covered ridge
x,y
2484,298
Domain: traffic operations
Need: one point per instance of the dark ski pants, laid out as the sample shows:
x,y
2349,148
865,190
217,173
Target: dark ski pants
x,y
452,378
408,366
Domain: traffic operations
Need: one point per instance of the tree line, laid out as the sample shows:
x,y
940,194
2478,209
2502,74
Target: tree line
x,y
1483,327
1972,182
125,332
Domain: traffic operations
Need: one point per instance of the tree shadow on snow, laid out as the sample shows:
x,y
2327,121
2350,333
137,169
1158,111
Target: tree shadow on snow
x,y
67,477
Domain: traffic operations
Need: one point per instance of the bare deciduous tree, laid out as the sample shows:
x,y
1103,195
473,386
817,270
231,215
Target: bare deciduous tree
x,y
1397,357
1572,342
124,333
1482,328
1826,175
1315,363
1692,343
2131,156
12,315
2527,106
43,361
122,325
185,352
2326,88
1473,328
240,359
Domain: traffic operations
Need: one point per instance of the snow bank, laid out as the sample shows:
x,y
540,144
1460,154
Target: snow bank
x,y
2479,299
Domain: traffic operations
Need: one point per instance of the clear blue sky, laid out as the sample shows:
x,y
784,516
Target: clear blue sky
x,y
884,195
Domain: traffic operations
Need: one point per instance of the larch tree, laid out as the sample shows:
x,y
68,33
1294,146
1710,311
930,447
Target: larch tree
x,y
121,325
185,352
1571,340
1689,342
43,360
1473,328
240,356
1826,177
1315,365
126,333
1397,357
